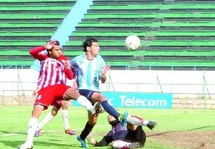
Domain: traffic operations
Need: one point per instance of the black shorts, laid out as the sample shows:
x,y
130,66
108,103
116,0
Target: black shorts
x,y
87,93
136,136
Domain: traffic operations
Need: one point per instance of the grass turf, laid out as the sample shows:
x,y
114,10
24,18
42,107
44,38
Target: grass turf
x,y
14,122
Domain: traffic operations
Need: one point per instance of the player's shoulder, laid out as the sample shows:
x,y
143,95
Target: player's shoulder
x,y
62,57
99,57
78,58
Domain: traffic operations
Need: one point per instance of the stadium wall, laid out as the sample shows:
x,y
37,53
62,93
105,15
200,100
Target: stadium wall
x,y
190,89
179,83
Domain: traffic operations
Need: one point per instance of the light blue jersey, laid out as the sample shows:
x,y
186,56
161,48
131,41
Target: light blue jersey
x,y
88,72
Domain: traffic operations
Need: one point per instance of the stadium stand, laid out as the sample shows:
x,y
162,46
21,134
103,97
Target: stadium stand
x,y
175,34
26,24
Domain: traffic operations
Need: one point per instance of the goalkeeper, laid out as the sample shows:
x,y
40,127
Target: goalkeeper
x,y
130,136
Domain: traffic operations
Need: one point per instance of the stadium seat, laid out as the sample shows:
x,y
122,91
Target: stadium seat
x,y
26,24
173,33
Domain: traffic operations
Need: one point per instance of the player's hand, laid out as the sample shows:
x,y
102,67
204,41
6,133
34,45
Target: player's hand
x,y
35,92
67,64
50,44
105,69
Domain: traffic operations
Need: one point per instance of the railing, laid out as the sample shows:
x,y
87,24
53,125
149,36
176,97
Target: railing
x,y
178,90
17,85
203,100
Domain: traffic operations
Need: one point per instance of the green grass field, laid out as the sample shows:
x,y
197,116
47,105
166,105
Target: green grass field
x,y
14,121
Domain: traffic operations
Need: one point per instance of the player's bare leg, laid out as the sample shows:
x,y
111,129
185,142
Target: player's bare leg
x,y
73,94
32,126
47,119
92,120
136,120
64,113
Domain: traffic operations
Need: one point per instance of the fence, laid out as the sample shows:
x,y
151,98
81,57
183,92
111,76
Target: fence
x,y
189,88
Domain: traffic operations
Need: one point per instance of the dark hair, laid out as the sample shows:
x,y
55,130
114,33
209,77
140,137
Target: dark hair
x,y
88,42
56,42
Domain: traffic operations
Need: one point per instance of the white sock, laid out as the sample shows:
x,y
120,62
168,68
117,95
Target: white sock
x,y
86,103
135,120
65,119
47,119
119,144
32,127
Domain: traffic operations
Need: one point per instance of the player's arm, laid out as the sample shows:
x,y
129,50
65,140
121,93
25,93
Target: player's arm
x,y
67,67
104,142
104,71
36,53
69,74
74,83
68,70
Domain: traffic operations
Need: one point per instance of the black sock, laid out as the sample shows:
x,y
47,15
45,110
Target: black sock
x,y
87,129
111,110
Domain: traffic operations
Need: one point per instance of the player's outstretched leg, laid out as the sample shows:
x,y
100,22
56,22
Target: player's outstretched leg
x,y
136,120
151,124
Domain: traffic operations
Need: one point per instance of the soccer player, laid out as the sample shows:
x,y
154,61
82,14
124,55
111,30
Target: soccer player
x,y
52,74
56,106
125,137
90,68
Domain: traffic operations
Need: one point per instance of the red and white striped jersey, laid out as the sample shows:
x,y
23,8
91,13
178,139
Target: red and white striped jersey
x,y
52,71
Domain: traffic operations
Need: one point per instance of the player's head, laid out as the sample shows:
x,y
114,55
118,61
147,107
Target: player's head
x,y
54,50
91,46
55,42
112,120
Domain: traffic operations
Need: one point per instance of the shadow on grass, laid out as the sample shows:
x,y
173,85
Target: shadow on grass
x,y
45,144
55,143
13,133
166,132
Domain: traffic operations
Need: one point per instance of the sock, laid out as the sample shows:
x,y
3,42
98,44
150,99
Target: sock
x,y
32,127
83,101
65,119
111,110
135,120
47,119
87,129
120,144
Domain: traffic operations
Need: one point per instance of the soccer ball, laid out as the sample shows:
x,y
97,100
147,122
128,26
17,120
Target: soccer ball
x,y
132,42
